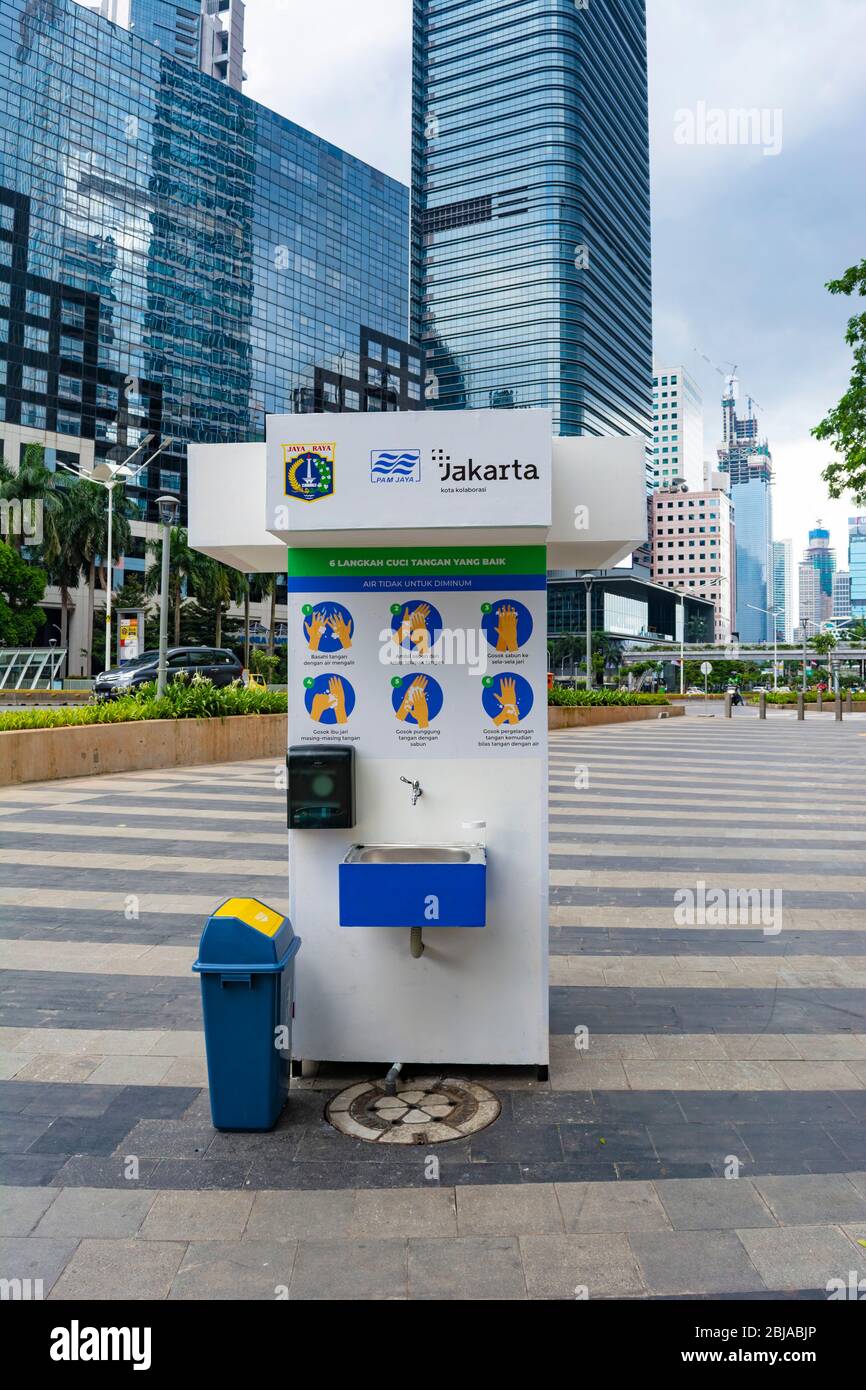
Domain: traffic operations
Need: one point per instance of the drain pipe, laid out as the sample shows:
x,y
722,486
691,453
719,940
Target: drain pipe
x,y
391,1079
416,943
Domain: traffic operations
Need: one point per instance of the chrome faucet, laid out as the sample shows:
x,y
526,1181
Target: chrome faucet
x,y
416,789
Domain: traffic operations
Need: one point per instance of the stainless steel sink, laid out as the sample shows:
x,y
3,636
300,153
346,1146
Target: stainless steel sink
x,y
415,854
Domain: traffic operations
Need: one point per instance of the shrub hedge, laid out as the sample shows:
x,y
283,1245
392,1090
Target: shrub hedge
x,y
199,699
559,695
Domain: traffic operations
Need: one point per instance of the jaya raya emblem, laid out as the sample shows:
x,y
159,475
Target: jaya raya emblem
x,y
309,471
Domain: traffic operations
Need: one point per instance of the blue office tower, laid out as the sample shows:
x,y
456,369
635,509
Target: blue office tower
x,y
531,281
857,565
175,258
745,457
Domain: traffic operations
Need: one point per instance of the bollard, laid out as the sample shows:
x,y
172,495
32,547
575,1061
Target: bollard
x,y
728,705
801,705
838,707
762,706
819,703
849,703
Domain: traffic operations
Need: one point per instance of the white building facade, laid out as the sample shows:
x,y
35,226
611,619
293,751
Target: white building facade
x,y
678,429
693,548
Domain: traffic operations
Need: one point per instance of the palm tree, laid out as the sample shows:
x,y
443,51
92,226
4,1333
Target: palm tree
x,y
62,547
92,532
215,588
186,572
269,586
32,483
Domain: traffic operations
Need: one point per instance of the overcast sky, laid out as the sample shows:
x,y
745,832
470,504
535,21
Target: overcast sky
x,y
743,242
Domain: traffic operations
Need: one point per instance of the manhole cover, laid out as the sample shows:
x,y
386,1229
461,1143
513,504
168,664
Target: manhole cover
x,y
428,1111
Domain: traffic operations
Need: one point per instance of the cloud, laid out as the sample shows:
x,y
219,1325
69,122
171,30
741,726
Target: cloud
x,y
339,69
743,243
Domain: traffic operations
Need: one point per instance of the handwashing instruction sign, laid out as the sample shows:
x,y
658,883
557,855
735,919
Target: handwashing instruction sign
x,y
399,649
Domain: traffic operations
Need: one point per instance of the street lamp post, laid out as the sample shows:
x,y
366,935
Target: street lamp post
x,y
804,623
169,507
772,613
683,644
108,475
588,581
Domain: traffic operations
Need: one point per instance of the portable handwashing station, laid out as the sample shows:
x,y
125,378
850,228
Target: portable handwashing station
x,y
416,546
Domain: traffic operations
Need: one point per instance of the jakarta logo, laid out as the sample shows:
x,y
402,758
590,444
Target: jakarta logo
x,y
309,471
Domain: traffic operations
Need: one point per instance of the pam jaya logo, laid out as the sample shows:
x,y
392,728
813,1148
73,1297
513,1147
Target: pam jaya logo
x,y
395,466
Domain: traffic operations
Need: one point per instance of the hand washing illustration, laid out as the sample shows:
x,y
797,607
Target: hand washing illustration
x,y
329,699
507,624
416,627
507,698
328,627
417,700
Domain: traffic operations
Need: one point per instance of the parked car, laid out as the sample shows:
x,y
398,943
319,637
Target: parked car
x,y
220,666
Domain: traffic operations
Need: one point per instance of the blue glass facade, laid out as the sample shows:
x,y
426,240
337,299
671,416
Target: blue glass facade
x,y
753,508
171,24
857,564
173,256
531,281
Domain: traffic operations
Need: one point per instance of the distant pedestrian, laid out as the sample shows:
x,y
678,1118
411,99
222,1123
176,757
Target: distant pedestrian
x,y
737,698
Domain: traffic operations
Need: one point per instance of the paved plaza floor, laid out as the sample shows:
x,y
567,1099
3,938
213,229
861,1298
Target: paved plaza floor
x,y
708,1140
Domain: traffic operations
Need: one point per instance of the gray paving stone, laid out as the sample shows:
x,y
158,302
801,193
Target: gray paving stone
x,y
350,1270
557,1266
301,1215
812,1199
611,1206
803,1257
472,1268
712,1204
197,1216
21,1208
131,1269
32,1259
236,1270
859,1182
500,1209
681,1262
405,1211
87,1211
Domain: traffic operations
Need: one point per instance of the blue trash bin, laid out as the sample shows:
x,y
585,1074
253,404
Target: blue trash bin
x,y
246,961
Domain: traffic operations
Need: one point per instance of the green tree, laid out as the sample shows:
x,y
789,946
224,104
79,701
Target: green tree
x,y
845,426
31,483
62,547
91,527
187,570
824,643
21,589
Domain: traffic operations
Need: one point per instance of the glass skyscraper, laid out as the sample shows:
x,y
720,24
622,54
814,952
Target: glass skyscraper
x,y
174,257
746,459
857,564
206,34
531,281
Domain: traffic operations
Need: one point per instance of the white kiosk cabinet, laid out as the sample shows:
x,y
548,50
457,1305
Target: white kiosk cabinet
x,y
417,558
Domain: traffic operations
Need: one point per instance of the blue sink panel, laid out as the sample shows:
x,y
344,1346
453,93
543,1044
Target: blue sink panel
x,y
399,895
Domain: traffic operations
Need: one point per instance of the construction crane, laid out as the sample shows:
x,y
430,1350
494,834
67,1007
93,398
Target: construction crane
x,y
729,376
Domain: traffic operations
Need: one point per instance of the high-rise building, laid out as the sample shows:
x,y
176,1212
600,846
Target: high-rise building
x,y
783,590
693,545
531,281
678,429
817,570
745,457
176,259
206,34
841,594
857,564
